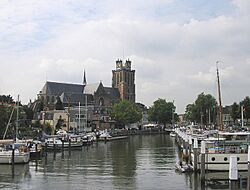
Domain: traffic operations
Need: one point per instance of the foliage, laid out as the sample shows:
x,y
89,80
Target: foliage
x,y
161,112
5,113
246,105
37,124
39,106
59,104
29,112
60,123
125,113
200,109
235,111
6,99
47,128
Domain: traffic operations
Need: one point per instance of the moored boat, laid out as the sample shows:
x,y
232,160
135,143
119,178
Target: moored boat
x,y
219,150
21,155
58,144
172,134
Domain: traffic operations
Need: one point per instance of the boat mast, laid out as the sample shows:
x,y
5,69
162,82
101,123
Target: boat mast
x,y
220,105
79,118
86,111
242,116
17,117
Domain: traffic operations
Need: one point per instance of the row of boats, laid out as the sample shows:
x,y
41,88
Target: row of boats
x,y
21,151
219,146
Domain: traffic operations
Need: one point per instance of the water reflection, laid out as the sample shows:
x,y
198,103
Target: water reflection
x,y
8,180
140,162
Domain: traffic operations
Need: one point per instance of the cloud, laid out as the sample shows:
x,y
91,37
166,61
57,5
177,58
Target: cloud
x,y
173,48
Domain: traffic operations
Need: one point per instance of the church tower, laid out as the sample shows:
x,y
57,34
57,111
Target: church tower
x,y
123,78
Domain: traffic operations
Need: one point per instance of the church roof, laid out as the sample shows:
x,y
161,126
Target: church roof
x,y
74,99
112,91
56,89
91,88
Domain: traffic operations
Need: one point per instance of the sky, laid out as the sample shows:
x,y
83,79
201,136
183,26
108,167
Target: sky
x,y
173,45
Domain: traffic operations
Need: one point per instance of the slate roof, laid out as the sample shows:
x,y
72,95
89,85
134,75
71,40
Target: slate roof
x,y
77,93
76,98
91,88
112,92
56,89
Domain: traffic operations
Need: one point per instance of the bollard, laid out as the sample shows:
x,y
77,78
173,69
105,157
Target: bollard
x,y
54,147
36,154
62,144
203,151
69,146
45,149
195,154
233,173
248,166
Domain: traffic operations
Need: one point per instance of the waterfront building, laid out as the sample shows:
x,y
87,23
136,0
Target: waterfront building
x,y
93,100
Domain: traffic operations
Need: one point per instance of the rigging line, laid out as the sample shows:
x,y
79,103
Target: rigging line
x,y
8,124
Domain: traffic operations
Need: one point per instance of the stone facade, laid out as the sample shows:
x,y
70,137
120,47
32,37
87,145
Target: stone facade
x,y
124,79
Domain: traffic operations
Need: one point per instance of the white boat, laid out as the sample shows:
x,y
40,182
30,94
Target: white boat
x,y
172,134
21,156
21,152
183,168
58,144
219,150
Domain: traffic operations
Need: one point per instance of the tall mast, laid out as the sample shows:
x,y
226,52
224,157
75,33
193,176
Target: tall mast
x,y
79,118
220,105
17,117
86,107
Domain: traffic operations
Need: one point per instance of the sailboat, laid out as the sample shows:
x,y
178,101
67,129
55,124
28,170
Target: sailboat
x,y
10,147
226,144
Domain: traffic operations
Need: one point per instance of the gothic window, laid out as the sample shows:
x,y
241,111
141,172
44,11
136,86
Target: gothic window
x,y
101,102
53,99
126,76
47,99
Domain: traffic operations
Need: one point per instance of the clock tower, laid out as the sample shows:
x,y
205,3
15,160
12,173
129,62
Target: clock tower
x,y
123,78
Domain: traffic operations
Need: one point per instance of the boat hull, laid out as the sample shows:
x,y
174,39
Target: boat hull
x,y
220,161
20,158
65,146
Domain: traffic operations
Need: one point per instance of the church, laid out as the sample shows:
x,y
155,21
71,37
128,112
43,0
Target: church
x,y
96,97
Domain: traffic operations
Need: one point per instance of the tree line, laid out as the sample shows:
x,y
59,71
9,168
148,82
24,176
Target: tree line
x,y
204,110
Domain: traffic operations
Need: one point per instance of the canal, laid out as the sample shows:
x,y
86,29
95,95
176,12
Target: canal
x,y
139,162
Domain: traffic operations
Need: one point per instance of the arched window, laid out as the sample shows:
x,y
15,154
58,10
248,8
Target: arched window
x,y
101,102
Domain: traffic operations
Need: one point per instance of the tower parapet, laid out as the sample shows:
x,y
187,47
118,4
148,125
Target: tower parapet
x,y
119,64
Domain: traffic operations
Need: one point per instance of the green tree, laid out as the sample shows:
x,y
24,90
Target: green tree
x,y
235,111
125,113
59,123
203,106
59,104
40,106
47,128
246,105
5,113
161,112
6,99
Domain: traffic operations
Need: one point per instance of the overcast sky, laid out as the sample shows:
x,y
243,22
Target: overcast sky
x,y
173,46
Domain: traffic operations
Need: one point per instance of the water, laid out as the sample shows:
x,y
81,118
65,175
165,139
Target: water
x,y
140,162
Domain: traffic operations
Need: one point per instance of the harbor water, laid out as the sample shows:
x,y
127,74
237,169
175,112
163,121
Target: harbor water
x,y
139,162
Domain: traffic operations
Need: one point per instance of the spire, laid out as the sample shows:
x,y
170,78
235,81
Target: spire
x,y
84,78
